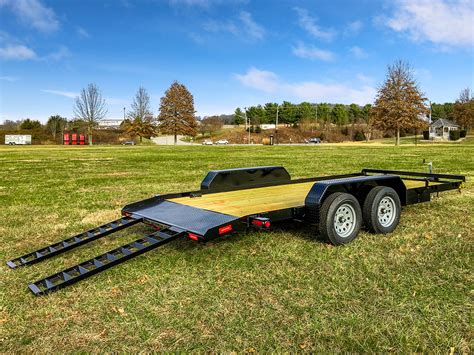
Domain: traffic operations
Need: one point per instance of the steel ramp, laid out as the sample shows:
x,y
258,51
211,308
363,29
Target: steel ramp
x,y
102,262
73,242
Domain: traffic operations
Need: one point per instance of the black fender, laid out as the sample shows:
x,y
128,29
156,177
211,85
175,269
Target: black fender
x,y
358,186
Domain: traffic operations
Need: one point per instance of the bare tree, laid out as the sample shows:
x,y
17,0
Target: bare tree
x,y
90,107
464,109
210,125
399,103
140,105
140,119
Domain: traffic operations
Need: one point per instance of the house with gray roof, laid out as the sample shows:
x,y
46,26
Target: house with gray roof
x,y
440,128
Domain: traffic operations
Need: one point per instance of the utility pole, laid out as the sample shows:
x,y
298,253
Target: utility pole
x,y
124,113
276,127
248,125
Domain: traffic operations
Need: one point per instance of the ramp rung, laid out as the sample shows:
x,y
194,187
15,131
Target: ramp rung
x,y
72,242
94,265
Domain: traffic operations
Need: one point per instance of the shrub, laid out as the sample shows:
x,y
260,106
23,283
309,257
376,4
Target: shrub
x,y
359,136
403,133
258,129
454,135
426,135
321,136
462,133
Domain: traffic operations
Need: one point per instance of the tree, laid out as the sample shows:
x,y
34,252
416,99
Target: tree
x,y
30,124
270,112
177,112
56,124
210,125
90,107
464,109
399,103
256,115
324,112
354,113
238,117
339,114
140,120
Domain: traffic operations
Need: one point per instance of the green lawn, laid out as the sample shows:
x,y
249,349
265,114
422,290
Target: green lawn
x,y
284,290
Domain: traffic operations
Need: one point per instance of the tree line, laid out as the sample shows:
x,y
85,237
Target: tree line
x,y
292,114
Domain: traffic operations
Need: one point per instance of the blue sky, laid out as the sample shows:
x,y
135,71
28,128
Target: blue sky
x,y
228,53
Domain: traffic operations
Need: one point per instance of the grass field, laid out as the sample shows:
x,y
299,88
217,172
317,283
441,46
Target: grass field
x,y
284,290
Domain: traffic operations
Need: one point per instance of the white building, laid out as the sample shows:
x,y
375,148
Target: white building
x,y
110,123
441,127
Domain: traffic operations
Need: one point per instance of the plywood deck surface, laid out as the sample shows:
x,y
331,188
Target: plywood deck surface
x,y
258,200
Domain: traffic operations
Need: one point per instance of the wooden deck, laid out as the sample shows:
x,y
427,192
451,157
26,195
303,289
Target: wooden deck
x,y
259,200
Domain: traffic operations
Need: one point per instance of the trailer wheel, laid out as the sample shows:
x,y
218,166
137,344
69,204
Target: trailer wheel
x,y
381,210
340,218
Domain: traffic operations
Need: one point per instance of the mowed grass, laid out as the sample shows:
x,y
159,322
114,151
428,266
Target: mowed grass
x,y
283,290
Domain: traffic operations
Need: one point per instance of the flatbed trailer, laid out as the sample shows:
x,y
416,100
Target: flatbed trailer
x,y
234,200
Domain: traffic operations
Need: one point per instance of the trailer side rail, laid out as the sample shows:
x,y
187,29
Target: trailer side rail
x,y
432,176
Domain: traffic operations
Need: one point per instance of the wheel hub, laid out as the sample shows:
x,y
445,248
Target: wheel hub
x,y
386,211
344,220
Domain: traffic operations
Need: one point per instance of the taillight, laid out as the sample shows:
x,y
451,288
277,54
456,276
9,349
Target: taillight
x,y
261,223
193,236
225,229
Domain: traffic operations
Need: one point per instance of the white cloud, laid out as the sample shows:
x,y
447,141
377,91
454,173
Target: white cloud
x,y
365,79
244,27
34,14
353,28
308,23
82,33
69,94
269,82
61,53
17,52
10,79
251,28
310,52
442,22
358,52
259,79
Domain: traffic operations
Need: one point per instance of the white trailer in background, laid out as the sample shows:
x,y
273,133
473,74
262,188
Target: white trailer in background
x,y
14,139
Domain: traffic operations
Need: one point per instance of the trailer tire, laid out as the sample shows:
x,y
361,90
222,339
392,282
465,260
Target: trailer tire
x,y
381,210
340,218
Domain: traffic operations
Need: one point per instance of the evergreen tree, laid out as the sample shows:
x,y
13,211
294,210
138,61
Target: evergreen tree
x,y
177,112
238,117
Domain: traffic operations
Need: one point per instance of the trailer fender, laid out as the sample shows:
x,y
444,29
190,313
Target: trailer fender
x,y
358,186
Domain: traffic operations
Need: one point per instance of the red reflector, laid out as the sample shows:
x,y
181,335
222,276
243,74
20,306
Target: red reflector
x,y
193,236
260,223
225,229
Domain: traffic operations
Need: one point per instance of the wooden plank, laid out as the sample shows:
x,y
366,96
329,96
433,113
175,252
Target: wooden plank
x,y
412,184
242,203
250,201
